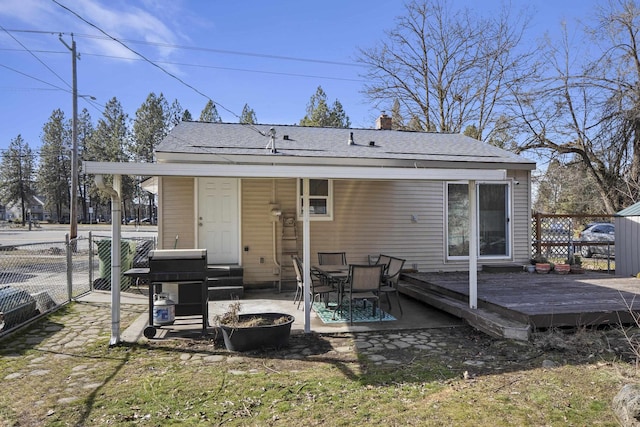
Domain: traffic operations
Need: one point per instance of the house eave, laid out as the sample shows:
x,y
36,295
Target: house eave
x,y
292,171
423,162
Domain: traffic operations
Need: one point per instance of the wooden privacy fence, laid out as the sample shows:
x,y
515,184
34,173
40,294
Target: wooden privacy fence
x,y
556,236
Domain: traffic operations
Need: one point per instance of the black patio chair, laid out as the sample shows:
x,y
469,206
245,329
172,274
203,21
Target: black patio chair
x,y
318,289
384,260
332,258
364,284
390,280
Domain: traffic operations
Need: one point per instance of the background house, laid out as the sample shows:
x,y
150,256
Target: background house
x,y
34,204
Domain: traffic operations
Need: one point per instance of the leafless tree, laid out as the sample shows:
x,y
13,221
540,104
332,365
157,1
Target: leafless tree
x,y
449,69
586,106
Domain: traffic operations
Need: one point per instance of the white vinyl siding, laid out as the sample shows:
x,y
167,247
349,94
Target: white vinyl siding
x,y
258,227
177,213
372,217
401,218
521,216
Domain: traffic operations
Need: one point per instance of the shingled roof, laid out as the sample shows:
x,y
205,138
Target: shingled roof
x,y
300,144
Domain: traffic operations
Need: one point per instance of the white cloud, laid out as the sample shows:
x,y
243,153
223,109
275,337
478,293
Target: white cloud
x,y
27,11
127,22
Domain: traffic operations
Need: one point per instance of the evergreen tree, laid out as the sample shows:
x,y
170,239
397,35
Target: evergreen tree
x,y
150,126
320,114
109,144
472,132
337,117
175,114
17,175
210,113
111,135
397,121
186,116
85,182
248,116
54,173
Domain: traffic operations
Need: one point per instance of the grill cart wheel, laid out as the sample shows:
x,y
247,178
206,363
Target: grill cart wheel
x,y
150,332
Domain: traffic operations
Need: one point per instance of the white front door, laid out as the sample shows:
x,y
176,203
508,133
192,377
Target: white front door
x,y
218,219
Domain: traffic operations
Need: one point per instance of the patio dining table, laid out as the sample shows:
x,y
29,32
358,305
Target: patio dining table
x,y
335,275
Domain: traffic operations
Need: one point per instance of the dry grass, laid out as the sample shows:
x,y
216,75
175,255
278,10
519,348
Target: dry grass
x,y
561,378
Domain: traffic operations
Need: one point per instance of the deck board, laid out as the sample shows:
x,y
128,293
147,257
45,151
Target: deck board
x,y
545,300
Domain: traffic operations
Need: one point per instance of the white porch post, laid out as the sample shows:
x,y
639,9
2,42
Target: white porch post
x,y
116,265
306,255
473,246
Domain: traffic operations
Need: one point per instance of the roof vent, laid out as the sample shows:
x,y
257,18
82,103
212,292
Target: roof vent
x,y
285,137
372,143
271,146
351,142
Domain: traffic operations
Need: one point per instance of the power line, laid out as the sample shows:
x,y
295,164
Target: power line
x,y
155,65
141,56
55,87
35,56
214,67
204,49
35,78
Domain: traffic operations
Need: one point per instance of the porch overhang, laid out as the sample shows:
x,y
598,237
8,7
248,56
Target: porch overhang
x,y
292,171
305,172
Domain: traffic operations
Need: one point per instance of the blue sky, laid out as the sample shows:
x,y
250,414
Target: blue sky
x,y
271,55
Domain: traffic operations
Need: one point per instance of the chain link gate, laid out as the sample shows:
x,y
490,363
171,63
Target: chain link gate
x,y
37,278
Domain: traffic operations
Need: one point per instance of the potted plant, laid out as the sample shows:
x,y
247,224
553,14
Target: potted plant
x,y
575,263
542,265
244,332
562,268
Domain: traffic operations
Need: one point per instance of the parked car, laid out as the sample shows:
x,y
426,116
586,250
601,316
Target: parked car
x,y
142,221
598,232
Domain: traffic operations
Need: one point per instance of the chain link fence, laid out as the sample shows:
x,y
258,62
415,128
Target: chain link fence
x,y
37,278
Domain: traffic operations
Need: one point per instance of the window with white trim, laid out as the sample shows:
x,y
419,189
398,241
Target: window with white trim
x,y
494,235
320,199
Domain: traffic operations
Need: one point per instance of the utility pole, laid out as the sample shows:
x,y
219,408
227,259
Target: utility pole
x,y
73,205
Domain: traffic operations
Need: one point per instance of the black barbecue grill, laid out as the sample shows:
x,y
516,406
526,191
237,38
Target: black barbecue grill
x,y
187,268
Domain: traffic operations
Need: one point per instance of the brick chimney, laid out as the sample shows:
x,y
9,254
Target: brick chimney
x,y
383,122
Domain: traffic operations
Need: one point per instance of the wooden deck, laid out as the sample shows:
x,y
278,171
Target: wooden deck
x,y
513,304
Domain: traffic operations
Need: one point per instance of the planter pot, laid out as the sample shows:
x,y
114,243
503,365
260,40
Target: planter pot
x,y
531,268
576,269
245,338
543,267
562,268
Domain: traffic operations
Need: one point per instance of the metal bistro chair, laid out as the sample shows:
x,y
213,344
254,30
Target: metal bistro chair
x,y
364,284
332,258
384,260
390,280
317,289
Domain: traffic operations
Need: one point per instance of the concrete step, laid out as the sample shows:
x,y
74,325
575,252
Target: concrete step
x,y
224,271
214,282
225,282
488,322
